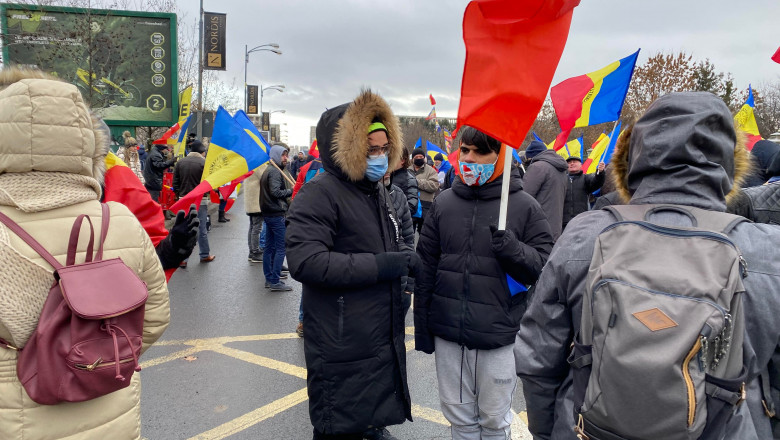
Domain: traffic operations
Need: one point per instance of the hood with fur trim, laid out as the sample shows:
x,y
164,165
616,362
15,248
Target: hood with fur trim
x,y
684,150
46,126
342,135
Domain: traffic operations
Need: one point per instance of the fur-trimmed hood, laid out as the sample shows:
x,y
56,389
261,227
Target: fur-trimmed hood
x,y
46,126
683,150
342,135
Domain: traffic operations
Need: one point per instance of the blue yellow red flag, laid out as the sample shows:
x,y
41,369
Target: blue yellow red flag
x,y
590,164
593,98
745,120
431,115
250,129
232,153
433,149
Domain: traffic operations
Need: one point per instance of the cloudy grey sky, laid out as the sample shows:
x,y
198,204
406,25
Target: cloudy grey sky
x,y
406,49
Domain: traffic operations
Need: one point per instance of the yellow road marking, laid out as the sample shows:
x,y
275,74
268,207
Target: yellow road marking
x,y
284,367
227,339
254,417
429,414
170,357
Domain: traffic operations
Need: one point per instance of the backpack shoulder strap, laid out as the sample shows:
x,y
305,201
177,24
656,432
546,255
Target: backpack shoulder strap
x,y
700,218
106,217
30,241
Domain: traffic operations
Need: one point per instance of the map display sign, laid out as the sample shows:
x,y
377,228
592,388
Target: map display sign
x,y
123,62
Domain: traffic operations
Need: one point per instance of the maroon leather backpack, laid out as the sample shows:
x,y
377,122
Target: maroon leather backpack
x,y
90,330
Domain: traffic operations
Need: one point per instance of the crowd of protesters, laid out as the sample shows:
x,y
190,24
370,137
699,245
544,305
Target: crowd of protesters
x,y
369,226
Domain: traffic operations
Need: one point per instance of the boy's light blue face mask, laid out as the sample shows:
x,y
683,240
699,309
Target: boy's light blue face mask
x,y
476,174
377,167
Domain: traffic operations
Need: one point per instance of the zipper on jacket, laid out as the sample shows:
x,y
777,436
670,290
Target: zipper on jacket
x,y
341,316
466,287
689,382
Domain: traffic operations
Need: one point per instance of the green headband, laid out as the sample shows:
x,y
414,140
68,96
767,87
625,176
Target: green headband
x,y
376,126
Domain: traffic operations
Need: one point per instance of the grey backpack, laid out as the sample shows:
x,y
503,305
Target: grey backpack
x,y
659,351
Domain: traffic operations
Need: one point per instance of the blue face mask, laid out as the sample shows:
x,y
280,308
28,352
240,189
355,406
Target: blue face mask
x,y
377,167
476,174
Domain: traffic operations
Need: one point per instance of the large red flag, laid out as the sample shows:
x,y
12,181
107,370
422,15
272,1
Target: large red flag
x,y
512,50
776,56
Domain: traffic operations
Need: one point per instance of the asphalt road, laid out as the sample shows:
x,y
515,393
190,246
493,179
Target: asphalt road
x,y
231,366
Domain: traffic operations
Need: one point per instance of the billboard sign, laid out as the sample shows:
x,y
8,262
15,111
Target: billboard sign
x,y
123,62
214,44
252,93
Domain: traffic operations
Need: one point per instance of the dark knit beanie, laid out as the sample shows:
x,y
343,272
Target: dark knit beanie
x,y
418,151
534,148
438,157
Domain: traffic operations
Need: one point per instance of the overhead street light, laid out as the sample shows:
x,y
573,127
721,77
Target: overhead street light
x,y
277,87
271,47
277,111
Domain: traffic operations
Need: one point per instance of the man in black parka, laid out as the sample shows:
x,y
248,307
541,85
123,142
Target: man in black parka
x,y
344,245
463,306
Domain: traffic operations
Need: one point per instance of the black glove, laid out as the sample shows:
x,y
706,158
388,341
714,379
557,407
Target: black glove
x,y
392,265
180,241
415,264
504,244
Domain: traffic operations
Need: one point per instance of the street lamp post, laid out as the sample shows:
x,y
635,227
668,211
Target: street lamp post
x,y
271,47
278,88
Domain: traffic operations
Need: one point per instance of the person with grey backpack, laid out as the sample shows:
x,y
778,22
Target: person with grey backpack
x,y
656,319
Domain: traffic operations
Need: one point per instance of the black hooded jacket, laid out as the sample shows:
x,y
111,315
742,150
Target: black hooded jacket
x,y
462,294
545,180
354,322
763,154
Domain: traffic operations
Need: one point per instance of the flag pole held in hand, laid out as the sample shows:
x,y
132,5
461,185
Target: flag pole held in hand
x,y
505,187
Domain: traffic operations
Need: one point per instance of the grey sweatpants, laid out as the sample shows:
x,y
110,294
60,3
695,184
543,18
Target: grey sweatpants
x,y
475,389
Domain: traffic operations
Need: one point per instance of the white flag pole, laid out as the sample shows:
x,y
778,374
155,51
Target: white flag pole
x,y
505,187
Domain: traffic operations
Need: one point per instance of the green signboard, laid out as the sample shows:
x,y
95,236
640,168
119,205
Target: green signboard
x,y
124,62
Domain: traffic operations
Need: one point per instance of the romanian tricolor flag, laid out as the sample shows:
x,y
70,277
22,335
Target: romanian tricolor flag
x,y
243,120
598,148
745,120
431,115
232,153
593,98
571,148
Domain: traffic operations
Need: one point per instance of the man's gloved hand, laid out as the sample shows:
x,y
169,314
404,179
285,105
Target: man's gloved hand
x,y
415,264
504,243
181,239
392,265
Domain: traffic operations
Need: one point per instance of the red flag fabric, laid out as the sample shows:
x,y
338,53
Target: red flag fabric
x,y
167,135
193,197
512,50
433,101
776,56
123,186
313,150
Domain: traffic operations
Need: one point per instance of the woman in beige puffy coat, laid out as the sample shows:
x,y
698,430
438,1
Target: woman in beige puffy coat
x,y
52,161
129,155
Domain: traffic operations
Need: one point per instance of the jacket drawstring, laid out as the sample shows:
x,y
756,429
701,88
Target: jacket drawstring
x,y
462,348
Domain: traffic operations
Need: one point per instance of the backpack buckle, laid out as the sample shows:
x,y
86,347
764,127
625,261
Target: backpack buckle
x,y
580,428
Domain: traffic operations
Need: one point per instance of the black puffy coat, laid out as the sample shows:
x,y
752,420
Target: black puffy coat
x,y
578,190
354,324
405,180
407,227
154,168
273,193
462,294
760,204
